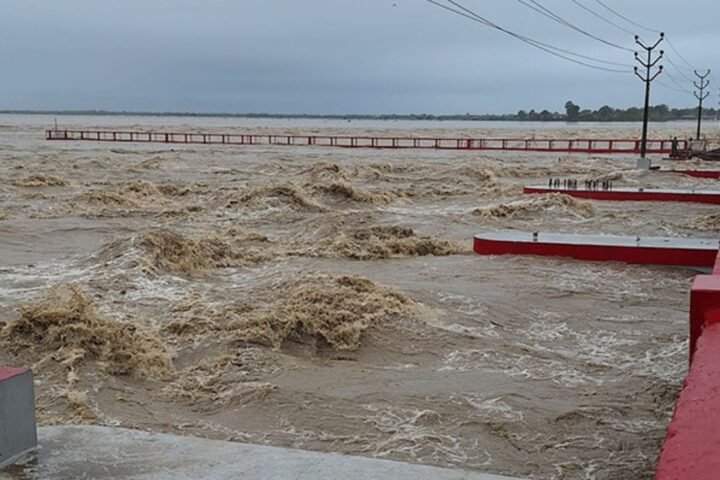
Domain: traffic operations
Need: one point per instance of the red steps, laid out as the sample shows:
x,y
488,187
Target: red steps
x,y
634,194
713,174
690,451
601,248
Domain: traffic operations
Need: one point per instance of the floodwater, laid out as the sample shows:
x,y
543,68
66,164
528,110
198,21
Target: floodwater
x,y
328,299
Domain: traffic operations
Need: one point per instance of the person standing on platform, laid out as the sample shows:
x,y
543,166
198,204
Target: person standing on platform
x,y
674,151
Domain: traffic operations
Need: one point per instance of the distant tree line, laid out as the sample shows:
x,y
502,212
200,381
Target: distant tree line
x,y
573,113
657,113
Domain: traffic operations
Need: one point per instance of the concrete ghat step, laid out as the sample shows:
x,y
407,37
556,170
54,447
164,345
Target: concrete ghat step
x,y
601,248
114,453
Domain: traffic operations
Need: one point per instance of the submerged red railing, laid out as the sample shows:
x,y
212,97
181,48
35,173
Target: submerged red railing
x,y
598,146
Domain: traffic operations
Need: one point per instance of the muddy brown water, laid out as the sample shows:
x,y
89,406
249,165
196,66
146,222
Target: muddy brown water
x,y
327,299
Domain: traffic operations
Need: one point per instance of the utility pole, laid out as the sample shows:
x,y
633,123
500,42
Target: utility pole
x,y
701,96
648,79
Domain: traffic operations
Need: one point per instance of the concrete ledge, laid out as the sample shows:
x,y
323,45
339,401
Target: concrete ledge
x,y
601,248
704,307
634,194
17,414
113,453
691,450
712,174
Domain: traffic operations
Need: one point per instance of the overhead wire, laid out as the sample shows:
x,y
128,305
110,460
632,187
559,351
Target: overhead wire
x,y
670,87
619,15
538,7
604,19
551,49
679,70
652,30
686,73
567,54
670,44
676,82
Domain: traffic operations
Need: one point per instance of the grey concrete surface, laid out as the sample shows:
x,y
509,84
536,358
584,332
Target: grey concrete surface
x,y
113,453
17,414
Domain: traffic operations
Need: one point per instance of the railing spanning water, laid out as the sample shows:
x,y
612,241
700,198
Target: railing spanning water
x,y
589,146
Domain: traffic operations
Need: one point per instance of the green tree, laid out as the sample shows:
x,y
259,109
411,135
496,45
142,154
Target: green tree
x,y
572,112
605,114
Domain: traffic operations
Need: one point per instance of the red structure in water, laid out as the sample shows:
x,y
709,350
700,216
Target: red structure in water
x,y
601,248
692,447
712,174
634,194
591,146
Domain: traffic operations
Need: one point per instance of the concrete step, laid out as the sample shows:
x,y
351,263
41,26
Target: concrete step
x,y
113,453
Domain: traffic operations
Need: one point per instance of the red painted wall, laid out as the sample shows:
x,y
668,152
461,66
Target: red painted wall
x,y
632,196
599,253
692,447
9,372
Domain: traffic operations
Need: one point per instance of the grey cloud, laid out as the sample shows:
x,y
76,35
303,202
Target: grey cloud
x,y
324,56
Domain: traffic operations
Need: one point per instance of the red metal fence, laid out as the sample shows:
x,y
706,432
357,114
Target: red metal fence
x,y
598,146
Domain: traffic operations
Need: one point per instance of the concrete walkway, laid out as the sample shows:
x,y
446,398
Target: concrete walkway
x,y
113,453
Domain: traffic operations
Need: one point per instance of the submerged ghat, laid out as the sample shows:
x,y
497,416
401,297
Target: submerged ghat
x,y
328,299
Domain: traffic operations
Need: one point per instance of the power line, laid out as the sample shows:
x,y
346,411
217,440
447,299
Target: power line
x,y
678,54
676,82
674,89
538,7
679,70
602,4
685,72
534,42
628,20
552,50
606,20
475,16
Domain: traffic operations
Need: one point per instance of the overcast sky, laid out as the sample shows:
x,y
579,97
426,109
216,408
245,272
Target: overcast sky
x,y
333,56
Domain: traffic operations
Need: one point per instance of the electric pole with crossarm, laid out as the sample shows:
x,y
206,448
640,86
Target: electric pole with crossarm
x,y
648,79
701,97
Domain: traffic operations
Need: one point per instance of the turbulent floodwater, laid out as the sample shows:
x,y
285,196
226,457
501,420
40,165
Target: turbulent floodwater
x,y
327,299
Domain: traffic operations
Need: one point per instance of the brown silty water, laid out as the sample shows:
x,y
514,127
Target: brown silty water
x,y
328,299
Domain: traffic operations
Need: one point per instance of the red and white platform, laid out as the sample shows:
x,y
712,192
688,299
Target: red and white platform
x,y
601,248
712,174
634,194
690,451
